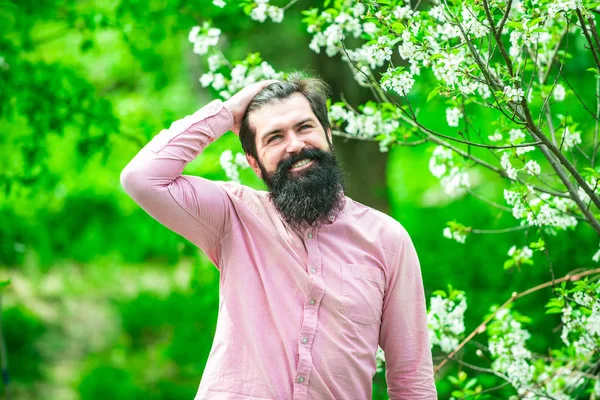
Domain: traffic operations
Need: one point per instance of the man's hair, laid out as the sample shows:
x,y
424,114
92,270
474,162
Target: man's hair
x,y
315,90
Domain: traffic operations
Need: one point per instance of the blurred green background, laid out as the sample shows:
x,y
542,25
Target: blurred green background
x,y
104,302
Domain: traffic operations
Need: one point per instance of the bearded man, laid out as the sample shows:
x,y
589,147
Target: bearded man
x,y
311,282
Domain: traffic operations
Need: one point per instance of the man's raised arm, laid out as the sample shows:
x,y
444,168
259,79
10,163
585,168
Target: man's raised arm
x,y
194,207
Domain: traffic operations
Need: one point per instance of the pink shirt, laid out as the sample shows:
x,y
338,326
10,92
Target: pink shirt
x,y
300,314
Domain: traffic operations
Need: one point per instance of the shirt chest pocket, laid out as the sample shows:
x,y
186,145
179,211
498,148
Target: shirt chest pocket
x,y
362,293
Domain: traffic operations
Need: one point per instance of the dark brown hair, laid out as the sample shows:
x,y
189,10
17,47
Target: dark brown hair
x,y
315,90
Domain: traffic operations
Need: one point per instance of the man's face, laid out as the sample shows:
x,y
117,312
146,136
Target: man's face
x,y
283,129
296,162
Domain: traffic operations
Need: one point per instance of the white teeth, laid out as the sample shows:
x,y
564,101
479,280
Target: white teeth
x,y
300,163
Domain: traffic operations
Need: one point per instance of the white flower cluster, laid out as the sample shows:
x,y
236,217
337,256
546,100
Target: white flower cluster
x,y
507,347
580,330
369,124
443,167
204,38
471,23
570,139
513,94
241,76
365,56
559,92
331,37
555,7
517,136
446,321
263,9
453,115
454,234
449,68
556,382
521,255
531,167
232,164
541,209
505,163
219,3
397,80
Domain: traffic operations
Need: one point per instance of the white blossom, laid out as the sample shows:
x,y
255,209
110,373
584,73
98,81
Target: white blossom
x,y
496,137
453,115
554,7
206,79
510,170
445,320
275,13
215,61
507,347
219,3
514,94
401,83
370,28
231,164
454,235
515,135
559,92
203,38
570,139
532,168
259,13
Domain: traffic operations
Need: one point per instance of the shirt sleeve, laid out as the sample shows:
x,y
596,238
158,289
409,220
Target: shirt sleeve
x,y
194,207
404,336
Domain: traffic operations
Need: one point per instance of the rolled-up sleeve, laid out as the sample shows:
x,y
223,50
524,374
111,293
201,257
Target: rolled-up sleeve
x,y
192,206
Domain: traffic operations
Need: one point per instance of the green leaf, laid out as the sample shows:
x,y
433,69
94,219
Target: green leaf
x,y
433,93
534,21
515,24
508,264
471,383
554,310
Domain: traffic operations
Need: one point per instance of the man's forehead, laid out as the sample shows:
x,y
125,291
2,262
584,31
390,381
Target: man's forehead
x,y
281,113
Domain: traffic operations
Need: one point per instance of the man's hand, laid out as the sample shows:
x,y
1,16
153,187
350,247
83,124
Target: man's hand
x,y
238,103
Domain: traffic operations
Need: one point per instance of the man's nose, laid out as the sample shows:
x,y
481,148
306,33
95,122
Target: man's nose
x,y
295,144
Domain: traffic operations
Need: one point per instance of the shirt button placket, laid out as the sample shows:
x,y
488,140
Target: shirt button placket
x,y
310,321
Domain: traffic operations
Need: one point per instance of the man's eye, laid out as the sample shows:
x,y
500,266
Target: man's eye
x,y
273,137
305,126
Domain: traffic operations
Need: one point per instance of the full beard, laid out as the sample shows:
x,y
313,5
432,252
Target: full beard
x,y
311,197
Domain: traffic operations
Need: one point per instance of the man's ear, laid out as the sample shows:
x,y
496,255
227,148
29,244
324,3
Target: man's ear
x,y
329,137
254,165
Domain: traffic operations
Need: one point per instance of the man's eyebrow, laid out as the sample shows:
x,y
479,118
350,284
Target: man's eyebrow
x,y
297,124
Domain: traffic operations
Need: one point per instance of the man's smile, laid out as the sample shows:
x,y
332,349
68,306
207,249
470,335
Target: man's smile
x,y
301,165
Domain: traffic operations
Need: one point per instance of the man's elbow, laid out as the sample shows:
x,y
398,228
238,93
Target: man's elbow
x,y
129,179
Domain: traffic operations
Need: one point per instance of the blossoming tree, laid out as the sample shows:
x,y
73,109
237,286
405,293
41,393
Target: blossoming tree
x,y
505,60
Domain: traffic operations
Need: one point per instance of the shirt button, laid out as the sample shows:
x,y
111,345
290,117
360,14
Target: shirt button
x,y
331,218
305,339
313,270
309,235
300,379
313,301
